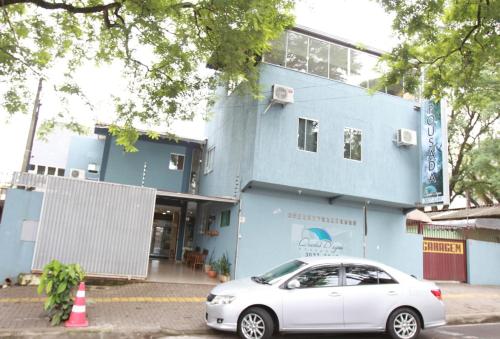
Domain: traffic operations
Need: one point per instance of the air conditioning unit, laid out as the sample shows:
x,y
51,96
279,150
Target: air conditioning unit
x,y
76,173
282,94
406,137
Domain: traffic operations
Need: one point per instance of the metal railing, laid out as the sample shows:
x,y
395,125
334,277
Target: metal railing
x,y
16,179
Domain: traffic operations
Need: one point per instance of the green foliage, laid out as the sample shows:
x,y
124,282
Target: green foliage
x,y
454,46
224,266
57,282
161,44
481,177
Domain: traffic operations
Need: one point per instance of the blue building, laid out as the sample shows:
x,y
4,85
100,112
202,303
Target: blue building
x,y
316,167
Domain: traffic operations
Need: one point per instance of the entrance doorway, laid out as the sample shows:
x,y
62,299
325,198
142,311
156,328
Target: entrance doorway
x,y
165,232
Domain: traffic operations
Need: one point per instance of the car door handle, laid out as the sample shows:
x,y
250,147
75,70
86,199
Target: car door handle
x,y
392,293
334,294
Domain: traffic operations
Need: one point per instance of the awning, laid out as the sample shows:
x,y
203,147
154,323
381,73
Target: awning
x,y
485,223
195,197
418,215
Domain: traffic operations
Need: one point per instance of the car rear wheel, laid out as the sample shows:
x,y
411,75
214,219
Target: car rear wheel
x,y
255,323
403,323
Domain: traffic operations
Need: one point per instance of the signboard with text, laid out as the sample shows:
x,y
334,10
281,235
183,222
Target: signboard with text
x,y
434,178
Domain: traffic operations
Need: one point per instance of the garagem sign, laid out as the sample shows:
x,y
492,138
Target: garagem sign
x,y
434,176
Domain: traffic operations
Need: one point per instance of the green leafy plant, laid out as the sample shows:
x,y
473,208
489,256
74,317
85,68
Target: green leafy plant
x,y
224,265
57,282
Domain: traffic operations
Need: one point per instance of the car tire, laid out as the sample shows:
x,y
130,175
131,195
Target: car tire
x,y
404,323
255,323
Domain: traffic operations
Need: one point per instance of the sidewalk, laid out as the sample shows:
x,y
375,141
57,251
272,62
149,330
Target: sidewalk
x,y
466,304
144,308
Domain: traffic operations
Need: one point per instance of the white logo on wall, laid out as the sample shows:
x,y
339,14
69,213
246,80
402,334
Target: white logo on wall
x,y
317,241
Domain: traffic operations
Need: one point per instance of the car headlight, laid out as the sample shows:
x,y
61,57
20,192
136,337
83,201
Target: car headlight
x,y
222,299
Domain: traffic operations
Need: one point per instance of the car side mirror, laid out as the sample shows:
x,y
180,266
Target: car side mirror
x,y
293,284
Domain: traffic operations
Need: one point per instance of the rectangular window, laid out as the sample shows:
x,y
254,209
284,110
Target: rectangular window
x,y
40,170
308,135
60,172
225,218
31,167
296,57
338,62
176,162
51,171
318,57
209,160
352,144
278,51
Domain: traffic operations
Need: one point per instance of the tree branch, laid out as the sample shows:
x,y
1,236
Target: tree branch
x,y
64,6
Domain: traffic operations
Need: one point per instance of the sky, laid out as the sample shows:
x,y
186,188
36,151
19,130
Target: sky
x,y
360,21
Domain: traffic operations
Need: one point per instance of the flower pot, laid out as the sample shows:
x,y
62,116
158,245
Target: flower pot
x,y
212,274
223,278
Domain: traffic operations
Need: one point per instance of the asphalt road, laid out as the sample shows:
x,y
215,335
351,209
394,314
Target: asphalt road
x,y
479,331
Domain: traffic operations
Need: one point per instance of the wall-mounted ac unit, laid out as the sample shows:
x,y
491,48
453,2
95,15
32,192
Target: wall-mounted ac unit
x,y
406,137
76,173
282,94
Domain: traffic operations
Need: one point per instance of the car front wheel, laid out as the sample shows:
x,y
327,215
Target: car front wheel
x,y
255,323
403,323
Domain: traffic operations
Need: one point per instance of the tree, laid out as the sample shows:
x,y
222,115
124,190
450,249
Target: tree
x,y
162,45
454,46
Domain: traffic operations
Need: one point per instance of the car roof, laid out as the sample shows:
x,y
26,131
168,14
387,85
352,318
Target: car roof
x,y
339,260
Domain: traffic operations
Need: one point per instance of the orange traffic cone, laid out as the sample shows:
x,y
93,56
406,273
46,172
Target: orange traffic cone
x,y
78,316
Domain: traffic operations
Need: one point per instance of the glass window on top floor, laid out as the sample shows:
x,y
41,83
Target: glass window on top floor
x,y
296,56
338,62
278,51
363,69
318,57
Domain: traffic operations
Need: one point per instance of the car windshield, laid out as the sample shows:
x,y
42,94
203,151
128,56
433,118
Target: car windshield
x,y
280,271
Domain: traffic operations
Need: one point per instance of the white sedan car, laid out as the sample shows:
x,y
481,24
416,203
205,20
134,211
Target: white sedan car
x,y
326,294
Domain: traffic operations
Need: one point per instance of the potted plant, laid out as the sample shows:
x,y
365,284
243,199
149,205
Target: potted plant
x,y
208,266
212,273
224,268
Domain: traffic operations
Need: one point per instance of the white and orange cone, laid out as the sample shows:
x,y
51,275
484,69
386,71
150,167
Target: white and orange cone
x,y
78,316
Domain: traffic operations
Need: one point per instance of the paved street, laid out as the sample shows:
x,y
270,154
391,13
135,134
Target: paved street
x,y
478,331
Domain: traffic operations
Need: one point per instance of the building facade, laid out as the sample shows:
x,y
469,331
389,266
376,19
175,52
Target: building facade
x,y
322,175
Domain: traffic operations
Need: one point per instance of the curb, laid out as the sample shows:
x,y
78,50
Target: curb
x,y
101,332
477,318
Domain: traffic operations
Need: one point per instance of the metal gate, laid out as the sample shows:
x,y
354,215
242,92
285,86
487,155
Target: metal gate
x,y
104,227
445,259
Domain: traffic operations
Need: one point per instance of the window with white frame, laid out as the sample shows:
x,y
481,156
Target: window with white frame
x,y
209,160
352,143
176,162
307,139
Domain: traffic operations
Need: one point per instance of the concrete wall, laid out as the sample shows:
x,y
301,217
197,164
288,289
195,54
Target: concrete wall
x,y
84,151
279,226
127,168
225,242
386,172
483,262
388,241
16,255
231,131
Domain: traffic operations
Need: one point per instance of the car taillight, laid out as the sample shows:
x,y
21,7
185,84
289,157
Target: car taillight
x,y
437,294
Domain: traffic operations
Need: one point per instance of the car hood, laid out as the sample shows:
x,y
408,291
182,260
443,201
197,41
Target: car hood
x,y
234,287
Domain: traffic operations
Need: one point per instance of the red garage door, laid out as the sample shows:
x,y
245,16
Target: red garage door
x,y
445,260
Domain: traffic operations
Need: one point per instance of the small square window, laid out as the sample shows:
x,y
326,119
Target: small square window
x,y
51,171
31,167
225,218
209,160
60,172
176,162
307,138
40,170
352,144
